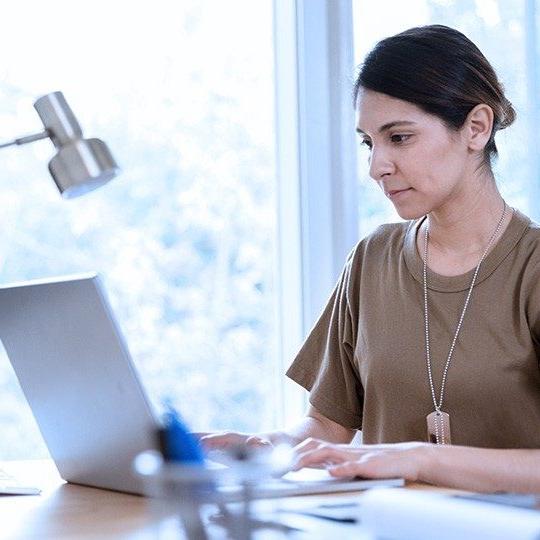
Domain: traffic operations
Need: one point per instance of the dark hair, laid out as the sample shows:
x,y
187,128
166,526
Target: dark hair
x,y
441,71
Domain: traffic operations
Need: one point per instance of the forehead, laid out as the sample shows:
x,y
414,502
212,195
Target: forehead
x,y
374,110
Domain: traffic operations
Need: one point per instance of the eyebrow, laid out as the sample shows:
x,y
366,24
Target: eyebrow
x,y
390,125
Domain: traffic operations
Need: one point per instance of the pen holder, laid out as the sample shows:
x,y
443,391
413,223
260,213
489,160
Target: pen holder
x,y
184,490
194,492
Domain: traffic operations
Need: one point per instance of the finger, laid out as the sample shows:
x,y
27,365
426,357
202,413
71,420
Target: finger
x,y
218,441
211,442
308,444
199,434
373,465
348,469
258,442
321,456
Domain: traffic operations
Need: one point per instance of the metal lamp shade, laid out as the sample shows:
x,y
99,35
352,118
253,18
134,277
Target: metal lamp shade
x,y
82,166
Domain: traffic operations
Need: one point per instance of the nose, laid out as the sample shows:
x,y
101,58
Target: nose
x,y
380,164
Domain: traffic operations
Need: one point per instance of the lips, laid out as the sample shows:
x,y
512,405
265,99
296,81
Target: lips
x,y
394,192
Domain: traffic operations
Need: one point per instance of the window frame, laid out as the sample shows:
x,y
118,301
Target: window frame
x,y
533,108
317,218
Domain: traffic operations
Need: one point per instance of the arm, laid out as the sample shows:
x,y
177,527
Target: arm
x,y
460,467
314,424
482,469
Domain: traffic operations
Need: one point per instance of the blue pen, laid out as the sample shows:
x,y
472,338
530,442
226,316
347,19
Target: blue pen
x,y
178,445
176,442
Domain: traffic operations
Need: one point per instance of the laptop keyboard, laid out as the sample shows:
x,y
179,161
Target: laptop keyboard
x,y
9,485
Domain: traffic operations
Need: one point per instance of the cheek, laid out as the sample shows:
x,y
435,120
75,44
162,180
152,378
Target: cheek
x,y
433,167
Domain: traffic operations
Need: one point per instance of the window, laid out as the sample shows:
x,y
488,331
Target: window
x,y
185,238
506,33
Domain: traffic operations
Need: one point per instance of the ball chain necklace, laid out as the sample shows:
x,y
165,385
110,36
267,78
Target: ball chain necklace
x,y
438,422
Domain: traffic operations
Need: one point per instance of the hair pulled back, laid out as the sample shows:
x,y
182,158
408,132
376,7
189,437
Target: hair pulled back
x,y
441,71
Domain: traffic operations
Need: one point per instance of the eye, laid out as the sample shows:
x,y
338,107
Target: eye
x,y
399,138
366,142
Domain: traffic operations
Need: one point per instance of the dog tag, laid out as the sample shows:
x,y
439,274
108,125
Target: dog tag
x,y
438,427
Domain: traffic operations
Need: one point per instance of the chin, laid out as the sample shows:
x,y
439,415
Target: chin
x,y
409,213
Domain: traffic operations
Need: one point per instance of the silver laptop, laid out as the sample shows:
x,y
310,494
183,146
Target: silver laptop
x,y
75,370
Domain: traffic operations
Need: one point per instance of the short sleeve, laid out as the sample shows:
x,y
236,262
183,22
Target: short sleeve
x,y
325,364
533,308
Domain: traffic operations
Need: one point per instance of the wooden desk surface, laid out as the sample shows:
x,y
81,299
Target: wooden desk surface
x,y
66,511
69,511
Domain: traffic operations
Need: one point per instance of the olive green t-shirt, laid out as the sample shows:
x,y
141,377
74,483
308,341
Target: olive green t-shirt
x,y
364,362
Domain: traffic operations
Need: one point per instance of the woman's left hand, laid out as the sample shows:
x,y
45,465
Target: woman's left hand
x,y
403,460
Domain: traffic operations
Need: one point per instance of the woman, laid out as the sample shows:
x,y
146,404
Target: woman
x,y
431,335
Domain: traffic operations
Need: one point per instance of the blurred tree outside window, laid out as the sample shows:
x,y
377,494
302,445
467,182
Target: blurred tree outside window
x,y
183,93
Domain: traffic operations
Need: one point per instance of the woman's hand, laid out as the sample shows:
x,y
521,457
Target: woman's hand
x,y
230,439
314,424
403,460
458,467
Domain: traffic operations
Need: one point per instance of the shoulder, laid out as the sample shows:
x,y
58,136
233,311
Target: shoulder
x,y
528,246
524,257
527,265
373,252
531,238
389,233
383,241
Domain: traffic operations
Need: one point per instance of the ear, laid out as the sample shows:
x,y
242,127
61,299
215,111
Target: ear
x,y
478,126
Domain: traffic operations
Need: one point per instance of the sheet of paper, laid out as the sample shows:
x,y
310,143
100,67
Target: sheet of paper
x,y
400,514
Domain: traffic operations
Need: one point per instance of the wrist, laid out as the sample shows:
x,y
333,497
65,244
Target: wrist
x,y
427,455
276,437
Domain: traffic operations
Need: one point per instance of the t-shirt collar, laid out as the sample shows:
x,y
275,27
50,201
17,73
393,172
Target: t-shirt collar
x,y
436,282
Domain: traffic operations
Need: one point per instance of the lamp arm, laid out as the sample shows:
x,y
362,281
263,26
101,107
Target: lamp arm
x,y
28,139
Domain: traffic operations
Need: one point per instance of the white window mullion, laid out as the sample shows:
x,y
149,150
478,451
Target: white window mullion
x,y
317,217
291,400
533,116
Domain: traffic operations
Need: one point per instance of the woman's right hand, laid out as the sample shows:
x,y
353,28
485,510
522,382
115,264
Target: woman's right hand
x,y
225,440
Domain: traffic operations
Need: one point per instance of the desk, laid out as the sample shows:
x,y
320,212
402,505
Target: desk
x,y
66,511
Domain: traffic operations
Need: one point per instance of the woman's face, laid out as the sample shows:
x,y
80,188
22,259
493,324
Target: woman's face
x,y
414,158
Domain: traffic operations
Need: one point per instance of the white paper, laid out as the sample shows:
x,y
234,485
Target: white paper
x,y
397,514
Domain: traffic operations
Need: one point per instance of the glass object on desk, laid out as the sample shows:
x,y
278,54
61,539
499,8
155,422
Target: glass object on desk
x,y
189,489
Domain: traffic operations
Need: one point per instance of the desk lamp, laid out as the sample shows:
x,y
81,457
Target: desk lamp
x,y
80,165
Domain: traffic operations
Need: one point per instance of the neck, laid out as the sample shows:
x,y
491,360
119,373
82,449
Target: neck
x,y
465,224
